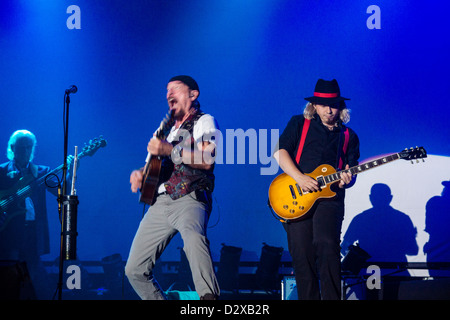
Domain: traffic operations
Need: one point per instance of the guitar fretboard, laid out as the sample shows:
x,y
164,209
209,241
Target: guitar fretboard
x,y
24,192
362,167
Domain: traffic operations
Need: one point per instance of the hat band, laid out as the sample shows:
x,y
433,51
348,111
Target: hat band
x,y
325,95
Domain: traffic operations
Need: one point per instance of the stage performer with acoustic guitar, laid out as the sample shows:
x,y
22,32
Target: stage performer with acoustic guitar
x,y
180,194
318,137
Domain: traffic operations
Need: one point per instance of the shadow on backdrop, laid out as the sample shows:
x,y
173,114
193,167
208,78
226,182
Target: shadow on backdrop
x,y
387,234
437,218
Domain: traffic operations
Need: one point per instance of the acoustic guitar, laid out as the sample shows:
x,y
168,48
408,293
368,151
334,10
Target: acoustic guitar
x,y
289,202
25,186
152,169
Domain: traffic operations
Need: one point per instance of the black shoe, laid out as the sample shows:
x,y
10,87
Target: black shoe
x,y
209,296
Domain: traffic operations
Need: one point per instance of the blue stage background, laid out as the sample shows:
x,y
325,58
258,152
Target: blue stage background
x,y
254,61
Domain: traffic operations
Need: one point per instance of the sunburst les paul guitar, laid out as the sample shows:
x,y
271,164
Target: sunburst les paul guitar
x,y
25,186
152,167
289,202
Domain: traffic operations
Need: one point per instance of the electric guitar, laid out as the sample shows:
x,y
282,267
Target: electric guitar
x,y
290,202
152,167
25,186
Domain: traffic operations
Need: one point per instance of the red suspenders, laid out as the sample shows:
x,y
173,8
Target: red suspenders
x,y
344,147
303,137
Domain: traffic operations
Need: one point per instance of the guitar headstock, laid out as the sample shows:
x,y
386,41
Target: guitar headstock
x,y
92,147
413,154
165,125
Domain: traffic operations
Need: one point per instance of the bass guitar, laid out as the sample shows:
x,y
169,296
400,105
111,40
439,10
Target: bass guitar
x,y
25,186
152,169
289,202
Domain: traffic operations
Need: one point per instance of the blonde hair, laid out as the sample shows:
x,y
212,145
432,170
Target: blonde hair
x,y
310,111
13,139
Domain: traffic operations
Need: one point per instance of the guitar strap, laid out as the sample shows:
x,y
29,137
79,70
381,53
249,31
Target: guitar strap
x,y
188,124
303,138
344,148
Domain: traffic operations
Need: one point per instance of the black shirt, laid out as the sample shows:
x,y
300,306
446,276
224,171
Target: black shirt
x,y
321,144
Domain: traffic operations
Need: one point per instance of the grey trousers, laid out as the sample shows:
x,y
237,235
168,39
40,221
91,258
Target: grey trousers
x,y
159,225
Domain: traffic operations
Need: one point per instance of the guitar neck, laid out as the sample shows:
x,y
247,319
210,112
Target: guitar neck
x,y
10,197
161,133
24,192
57,170
362,167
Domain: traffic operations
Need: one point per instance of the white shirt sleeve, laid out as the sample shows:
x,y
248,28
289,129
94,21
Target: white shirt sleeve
x,y
206,129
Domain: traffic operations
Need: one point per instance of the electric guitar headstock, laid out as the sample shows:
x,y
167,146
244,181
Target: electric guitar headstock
x,y
413,154
92,147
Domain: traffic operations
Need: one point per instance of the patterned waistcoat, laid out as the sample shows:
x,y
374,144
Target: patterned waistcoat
x,y
185,179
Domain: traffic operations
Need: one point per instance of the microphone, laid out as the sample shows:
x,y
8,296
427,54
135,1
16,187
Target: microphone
x,y
72,89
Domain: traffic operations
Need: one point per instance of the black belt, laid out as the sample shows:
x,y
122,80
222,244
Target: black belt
x,y
162,193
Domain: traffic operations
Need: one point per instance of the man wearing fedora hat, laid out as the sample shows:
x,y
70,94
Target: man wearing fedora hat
x,y
317,137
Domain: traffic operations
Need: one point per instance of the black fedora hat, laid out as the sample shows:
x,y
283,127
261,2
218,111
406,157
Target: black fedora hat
x,y
326,93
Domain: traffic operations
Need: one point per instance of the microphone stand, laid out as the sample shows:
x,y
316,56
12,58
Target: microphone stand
x,y
69,206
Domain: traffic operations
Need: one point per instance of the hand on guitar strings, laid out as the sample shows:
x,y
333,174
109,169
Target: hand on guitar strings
x,y
70,163
136,180
306,183
158,147
346,177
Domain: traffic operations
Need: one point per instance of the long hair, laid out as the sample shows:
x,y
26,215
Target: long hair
x,y
310,111
12,141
